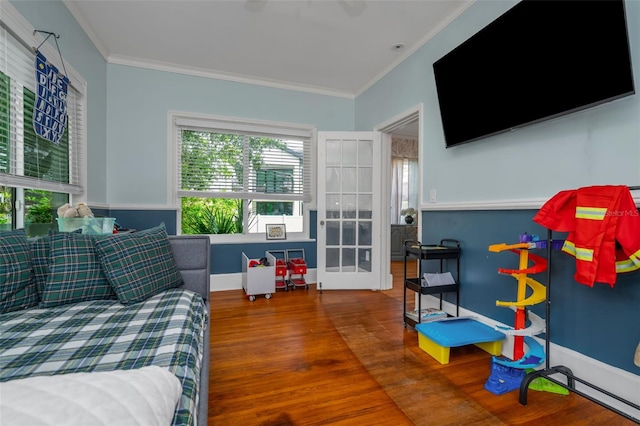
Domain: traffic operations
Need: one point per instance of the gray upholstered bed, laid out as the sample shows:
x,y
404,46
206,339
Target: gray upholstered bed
x,y
168,329
192,257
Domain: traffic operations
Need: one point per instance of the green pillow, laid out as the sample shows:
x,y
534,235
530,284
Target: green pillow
x,y
17,289
75,274
139,265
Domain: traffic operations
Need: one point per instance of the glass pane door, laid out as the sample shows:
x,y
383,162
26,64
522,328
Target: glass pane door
x,y
346,220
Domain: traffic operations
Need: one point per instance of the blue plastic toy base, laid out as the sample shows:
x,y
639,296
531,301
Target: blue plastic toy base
x,y
503,379
533,357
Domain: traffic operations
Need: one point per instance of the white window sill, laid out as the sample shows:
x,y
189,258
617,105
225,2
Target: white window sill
x,y
256,238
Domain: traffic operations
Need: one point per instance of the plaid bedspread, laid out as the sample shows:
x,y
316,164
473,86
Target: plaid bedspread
x,y
165,330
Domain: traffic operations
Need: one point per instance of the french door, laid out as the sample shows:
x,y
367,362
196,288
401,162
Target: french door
x,y
349,210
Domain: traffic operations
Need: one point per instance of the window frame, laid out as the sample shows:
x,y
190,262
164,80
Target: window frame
x,y
13,24
174,117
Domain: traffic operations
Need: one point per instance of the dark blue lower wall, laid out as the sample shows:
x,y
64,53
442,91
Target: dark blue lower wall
x,y
144,219
599,322
225,258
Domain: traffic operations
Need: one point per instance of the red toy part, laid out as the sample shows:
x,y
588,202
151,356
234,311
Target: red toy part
x,y
281,268
254,263
297,266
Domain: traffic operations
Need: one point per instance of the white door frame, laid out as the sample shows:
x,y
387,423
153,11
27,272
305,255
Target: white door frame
x,y
386,128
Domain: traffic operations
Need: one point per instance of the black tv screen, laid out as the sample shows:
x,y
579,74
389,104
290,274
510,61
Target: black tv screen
x,y
537,61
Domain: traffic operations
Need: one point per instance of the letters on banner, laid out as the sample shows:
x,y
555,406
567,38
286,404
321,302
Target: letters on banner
x,y
50,108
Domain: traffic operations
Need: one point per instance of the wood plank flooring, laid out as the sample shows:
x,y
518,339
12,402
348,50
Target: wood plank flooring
x,y
344,358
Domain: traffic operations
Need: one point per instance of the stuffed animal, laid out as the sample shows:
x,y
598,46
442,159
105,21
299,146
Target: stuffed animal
x,y
84,210
67,210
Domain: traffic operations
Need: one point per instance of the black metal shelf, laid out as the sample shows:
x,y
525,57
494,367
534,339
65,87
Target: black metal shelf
x,y
414,285
447,249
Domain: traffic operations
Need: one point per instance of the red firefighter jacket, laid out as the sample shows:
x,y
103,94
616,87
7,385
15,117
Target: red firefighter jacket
x,y
596,217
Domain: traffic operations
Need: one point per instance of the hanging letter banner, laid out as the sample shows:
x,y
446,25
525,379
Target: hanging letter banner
x,y
50,108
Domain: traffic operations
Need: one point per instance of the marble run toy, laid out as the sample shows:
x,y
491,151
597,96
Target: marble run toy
x,y
507,374
539,291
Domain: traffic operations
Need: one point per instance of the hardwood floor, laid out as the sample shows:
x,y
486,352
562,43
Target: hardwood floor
x,y
344,358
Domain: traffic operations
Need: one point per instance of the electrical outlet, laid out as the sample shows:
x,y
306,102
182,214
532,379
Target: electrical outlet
x,y
433,196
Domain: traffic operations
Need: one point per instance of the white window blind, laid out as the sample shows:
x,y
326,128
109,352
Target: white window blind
x,y
237,159
27,160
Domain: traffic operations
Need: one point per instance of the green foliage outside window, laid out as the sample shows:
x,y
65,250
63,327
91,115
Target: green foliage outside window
x,y
6,205
210,158
209,216
39,207
215,163
213,216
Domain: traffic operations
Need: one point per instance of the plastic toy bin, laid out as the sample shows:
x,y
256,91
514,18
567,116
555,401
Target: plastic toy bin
x,y
258,279
89,225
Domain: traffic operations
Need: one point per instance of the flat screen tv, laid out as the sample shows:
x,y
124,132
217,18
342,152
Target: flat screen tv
x,y
537,61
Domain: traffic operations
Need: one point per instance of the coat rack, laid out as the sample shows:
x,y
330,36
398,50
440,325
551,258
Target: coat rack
x,y
571,379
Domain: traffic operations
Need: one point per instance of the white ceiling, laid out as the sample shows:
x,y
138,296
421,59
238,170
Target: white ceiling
x,y
335,47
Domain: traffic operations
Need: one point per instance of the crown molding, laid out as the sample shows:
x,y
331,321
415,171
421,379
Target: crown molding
x,y
464,6
88,30
196,72
237,78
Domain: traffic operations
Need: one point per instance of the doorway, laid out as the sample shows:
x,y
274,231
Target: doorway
x,y
405,125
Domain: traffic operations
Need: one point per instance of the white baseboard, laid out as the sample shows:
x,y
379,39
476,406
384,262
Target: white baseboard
x,y
612,379
223,282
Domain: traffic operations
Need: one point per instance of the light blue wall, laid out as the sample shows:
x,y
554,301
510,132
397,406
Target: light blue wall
x,y
139,101
79,52
596,146
127,154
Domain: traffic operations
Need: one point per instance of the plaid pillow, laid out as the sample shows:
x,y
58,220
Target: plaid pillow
x,y
17,289
139,265
40,258
74,274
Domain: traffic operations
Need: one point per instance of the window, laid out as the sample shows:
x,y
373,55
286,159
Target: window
x,y
235,177
36,175
404,172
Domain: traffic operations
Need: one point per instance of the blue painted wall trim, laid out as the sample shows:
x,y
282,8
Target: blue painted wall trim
x,y
599,322
225,258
